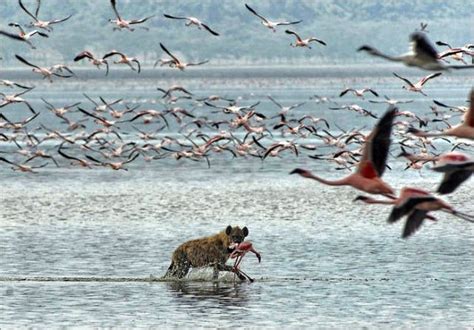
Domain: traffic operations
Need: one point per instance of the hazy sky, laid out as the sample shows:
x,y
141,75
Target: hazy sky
x,y
343,25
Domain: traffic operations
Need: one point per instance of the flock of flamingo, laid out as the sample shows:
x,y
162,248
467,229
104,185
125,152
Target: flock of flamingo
x,y
95,137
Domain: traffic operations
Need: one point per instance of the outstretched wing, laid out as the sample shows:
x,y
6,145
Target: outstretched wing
x,y
423,47
168,52
209,29
112,2
11,35
83,55
289,23
60,20
174,17
414,222
431,76
255,13
293,33
26,10
377,145
138,21
404,79
452,180
21,59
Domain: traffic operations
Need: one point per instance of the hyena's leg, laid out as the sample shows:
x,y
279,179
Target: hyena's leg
x,y
179,266
226,268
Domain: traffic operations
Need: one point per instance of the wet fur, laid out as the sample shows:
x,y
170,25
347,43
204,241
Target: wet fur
x,y
210,251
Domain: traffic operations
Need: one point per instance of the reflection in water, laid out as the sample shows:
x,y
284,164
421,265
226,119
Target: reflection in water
x,y
233,294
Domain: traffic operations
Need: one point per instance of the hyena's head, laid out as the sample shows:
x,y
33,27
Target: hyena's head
x,y
236,235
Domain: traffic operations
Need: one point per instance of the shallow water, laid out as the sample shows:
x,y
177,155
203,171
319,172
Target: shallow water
x,y
87,241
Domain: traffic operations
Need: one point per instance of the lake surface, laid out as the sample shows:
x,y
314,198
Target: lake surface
x,y
86,247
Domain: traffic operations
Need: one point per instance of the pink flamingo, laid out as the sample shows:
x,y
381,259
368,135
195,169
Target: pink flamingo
x,y
240,250
371,167
416,204
457,168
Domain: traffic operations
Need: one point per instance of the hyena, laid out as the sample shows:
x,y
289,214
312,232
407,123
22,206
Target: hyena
x,y
211,251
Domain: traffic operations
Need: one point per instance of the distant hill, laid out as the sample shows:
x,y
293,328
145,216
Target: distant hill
x,y
344,25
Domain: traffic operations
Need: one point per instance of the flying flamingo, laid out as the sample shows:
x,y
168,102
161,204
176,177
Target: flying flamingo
x,y
39,23
422,55
416,204
303,42
462,130
193,21
125,24
270,24
416,87
371,167
457,168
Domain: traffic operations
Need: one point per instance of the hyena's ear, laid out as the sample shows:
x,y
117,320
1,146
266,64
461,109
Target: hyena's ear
x,y
245,231
228,230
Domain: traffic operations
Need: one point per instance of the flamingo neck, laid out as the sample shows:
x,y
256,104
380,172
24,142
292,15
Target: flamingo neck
x,y
340,182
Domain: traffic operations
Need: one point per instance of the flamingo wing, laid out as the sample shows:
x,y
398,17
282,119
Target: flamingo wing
x,y
112,53
60,20
82,55
317,40
452,180
377,145
404,79
289,23
112,2
138,21
209,29
423,47
11,35
26,10
21,59
38,5
255,13
198,63
168,52
174,17
408,206
414,222
344,92
431,76
293,33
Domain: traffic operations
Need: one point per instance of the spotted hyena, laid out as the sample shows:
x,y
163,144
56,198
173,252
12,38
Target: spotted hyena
x,y
211,251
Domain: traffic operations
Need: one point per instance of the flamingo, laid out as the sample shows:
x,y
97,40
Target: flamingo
x,y
371,167
125,24
303,42
456,53
238,253
416,204
47,72
462,130
22,167
9,83
177,63
46,25
26,36
124,59
358,92
193,21
15,98
416,87
95,61
457,168
270,24
422,55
